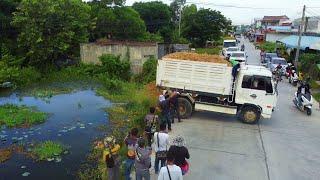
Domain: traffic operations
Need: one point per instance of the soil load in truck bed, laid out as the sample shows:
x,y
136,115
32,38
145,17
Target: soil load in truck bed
x,y
196,57
195,72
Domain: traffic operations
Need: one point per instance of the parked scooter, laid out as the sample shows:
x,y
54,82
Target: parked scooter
x,y
293,78
305,103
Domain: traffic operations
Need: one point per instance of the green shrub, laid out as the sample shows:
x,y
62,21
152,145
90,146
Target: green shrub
x,y
215,50
17,116
269,47
47,149
114,67
308,64
149,71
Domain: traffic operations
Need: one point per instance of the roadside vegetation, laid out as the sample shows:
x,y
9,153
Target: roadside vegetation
x,y
20,116
213,50
47,149
35,55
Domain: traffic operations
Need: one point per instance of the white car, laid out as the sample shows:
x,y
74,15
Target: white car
x,y
230,50
239,56
275,61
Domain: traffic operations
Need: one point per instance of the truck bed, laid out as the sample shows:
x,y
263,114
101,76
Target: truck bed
x,y
195,76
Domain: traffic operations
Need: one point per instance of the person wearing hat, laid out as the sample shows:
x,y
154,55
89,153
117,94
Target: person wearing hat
x,y
180,153
111,157
131,143
143,160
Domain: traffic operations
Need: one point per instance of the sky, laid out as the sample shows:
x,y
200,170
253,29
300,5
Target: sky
x,y
251,9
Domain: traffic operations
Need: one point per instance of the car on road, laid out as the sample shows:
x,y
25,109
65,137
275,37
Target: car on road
x,y
275,61
230,50
228,43
239,56
269,56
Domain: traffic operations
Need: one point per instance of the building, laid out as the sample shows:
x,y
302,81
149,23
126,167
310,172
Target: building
x,y
137,52
313,24
282,20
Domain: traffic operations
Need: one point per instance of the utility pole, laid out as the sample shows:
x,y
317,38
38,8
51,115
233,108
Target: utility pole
x,y
306,25
180,20
300,34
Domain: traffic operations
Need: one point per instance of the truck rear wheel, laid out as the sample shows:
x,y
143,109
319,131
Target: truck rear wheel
x,y
185,108
249,115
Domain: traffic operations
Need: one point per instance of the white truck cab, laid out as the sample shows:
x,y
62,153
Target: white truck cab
x,y
255,88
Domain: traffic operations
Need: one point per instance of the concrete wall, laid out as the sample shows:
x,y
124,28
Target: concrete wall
x,y
91,52
273,37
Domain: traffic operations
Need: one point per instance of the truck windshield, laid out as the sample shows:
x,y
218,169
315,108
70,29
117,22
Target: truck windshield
x,y
237,55
258,83
279,61
229,44
233,49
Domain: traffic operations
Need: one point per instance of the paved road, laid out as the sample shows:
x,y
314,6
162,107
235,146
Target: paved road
x,y
285,147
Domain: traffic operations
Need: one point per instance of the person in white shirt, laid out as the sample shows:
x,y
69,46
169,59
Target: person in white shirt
x,y
170,171
161,145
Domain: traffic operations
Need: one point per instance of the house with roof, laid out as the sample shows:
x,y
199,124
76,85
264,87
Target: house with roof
x,y
313,24
282,20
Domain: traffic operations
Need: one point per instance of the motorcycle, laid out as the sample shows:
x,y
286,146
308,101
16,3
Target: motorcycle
x,y
305,103
293,78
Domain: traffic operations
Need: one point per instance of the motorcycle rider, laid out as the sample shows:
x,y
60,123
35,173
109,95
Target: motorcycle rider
x,y
278,71
242,47
304,88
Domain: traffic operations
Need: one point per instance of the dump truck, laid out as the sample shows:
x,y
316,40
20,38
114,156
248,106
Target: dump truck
x,y
248,93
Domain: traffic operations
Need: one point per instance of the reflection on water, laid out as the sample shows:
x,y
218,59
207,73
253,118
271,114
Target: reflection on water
x,y
73,121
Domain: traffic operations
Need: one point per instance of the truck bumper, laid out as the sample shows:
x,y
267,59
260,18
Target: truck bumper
x,y
266,116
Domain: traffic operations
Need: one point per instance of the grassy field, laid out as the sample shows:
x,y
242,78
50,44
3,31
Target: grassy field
x,y
20,116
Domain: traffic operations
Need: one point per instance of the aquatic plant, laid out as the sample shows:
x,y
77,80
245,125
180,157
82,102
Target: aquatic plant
x,y
47,149
20,116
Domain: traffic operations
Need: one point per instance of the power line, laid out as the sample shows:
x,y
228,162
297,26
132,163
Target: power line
x,y
229,6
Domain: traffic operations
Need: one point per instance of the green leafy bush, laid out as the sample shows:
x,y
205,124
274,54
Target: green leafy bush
x,y
17,116
215,50
149,71
114,67
47,149
308,63
269,47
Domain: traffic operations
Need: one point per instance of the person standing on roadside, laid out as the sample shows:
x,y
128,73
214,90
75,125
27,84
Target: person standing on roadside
x,y
170,171
174,106
131,143
150,120
143,161
161,140
180,154
111,157
165,111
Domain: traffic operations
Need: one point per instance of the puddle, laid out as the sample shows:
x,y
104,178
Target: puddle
x,y
73,121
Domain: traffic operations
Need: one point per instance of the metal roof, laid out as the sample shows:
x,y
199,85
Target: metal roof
x,y
306,42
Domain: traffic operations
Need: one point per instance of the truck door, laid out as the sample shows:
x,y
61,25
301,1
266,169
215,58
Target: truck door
x,y
257,90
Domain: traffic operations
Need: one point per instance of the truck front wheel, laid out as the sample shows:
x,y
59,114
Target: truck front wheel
x,y
185,108
249,115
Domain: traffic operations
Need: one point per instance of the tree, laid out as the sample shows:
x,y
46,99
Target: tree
x,y
155,14
128,24
176,6
205,24
51,29
108,2
8,34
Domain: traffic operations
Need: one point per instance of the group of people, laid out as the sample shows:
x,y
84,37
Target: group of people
x,y
170,158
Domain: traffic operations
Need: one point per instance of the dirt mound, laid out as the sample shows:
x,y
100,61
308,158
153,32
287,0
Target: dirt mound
x,y
196,57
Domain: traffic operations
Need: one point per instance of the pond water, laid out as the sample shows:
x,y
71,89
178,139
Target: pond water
x,y
73,121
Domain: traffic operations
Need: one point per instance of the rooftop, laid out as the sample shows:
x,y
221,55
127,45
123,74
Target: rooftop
x,y
274,18
106,42
310,42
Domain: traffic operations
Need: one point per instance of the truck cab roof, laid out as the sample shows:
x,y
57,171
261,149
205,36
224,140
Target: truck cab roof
x,y
255,70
